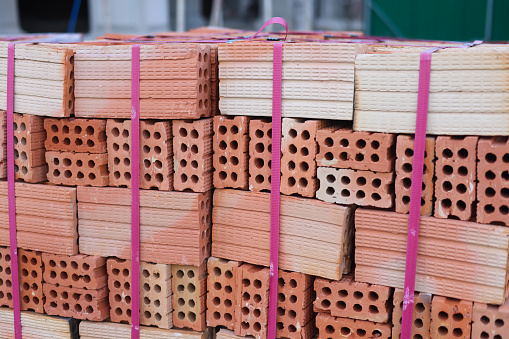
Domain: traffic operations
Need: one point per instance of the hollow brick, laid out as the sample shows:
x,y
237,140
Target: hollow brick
x,y
231,156
331,327
192,144
455,170
364,188
29,152
260,153
493,181
83,169
450,318
403,181
421,315
490,321
189,296
75,135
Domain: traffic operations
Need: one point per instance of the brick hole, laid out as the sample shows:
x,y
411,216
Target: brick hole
x,y
147,177
16,168
499,323
115,132
116,174
80,175
358,295
505,175
146,301
418,323
181,301
361,143
234,160
360,332
484,335
90,143
329,329
183,132
127,299
194,134
125,133
490,158
127,285
116,284
457,332
292,149
259,179
462,170
345,180
457,317
281,311
116,147
446,203
461,188
292,329
117,298
147,314
345,331
345,193
447,186
376,183
329,156
91,176
233,144
504,210
443,316
293,299
191,303
257,327
195,179
325,303
291,165
407,168
291,181
281,297
16,154
359,157
376,333
304,151
126,147
22,126
53,304
79,163
244,324
66,141
53,140
357,308
373,309
53,293
305,135
360,195
504,192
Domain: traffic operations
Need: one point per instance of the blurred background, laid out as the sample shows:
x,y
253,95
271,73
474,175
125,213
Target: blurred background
x,y
461,20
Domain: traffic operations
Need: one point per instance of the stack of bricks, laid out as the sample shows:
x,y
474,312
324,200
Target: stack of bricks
x,y
76,151
76,286
189,296
421,320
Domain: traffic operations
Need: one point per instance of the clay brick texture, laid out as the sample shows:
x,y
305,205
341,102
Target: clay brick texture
x,y
77,303
403,182
455,170
260,153
331,327
81,271
491,322
341,147
221,292
30,279
3,144
189,296
155,293
75,135
156,153
364,188
493,181
450,318
295,316
231,157
421,317
29,160
192,143
298,161
82,169
356,300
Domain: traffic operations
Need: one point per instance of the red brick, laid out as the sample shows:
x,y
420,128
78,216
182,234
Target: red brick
x,y
75,135
403,182
3,144
77,303
29,136
364,188
421,315
156,154
214,80
493,181
491,321
155,293
221,292
356,300
231,143
455,170
341,147
260,153
299,148
331,327
189,296
83,169
192,144
81,271
450,318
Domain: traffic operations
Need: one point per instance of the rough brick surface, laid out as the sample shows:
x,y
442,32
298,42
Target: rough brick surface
x,y
77,303
450,318
189,296
156,153
364,188
455,170
331,327
81,271
75,135
3,144
403,182
421,317
493,181
83,169
344,148
253,301
295,316
155,293
231,144
491,321
30,275
221,292
192,144
356,300
260,153
29,136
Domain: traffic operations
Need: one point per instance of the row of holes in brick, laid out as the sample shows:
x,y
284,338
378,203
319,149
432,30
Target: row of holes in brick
x,y
361,181
345,331
145,134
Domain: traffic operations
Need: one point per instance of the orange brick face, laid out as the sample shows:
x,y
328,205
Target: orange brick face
x,y
364,188
490,321
29,160
189,296
331,327
421,315
75,135
403,181
450,317
231,143
260,153
221,302
84,169
493,181
455,187
344,148
192,143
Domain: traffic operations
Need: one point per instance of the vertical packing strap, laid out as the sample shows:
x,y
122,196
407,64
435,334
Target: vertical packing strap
x,y
416,191
275,173
13,242
135,192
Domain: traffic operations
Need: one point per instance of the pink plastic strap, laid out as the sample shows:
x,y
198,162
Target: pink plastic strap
x,y
275,172
274,20
11,192
416,191
135,192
